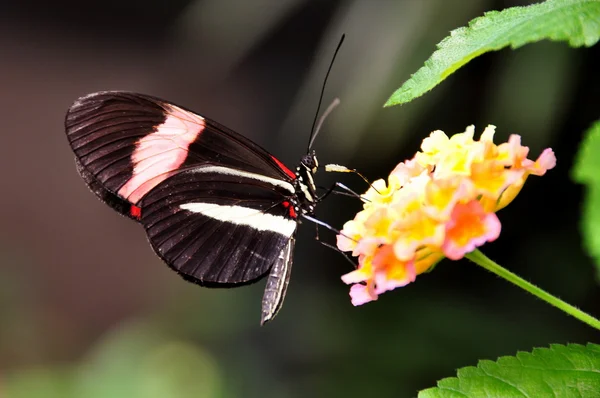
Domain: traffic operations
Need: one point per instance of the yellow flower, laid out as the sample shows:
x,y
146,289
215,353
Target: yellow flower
x,y
441,203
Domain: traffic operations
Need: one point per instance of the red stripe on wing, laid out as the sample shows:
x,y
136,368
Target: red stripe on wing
x,y
283,167
135,212
291,210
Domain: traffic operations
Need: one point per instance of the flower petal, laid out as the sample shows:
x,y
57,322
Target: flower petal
x,y
546,161
361,294
488,133
470,227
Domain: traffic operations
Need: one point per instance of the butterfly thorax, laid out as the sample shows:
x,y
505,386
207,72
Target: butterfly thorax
x,y
306,190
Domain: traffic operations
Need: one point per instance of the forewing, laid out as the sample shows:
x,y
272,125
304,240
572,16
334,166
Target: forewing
x,y
126,144
120,205
218,228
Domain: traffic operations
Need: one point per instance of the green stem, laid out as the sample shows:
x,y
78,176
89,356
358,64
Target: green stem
x,y
481,259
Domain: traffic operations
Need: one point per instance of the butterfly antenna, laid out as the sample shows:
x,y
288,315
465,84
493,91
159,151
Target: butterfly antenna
x,y
312,129
330,108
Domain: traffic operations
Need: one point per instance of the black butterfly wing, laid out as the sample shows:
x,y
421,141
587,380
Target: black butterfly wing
x,y
217,226
142,156
126,144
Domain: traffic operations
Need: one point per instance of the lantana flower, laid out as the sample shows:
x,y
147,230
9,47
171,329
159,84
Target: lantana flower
x,y
441,203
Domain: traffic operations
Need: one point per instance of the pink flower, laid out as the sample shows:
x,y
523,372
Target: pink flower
x,y
441,203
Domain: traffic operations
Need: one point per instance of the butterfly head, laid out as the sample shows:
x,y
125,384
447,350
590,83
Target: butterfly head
x,y
310,163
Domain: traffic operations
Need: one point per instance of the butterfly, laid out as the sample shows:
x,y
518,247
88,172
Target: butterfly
x,y
217,208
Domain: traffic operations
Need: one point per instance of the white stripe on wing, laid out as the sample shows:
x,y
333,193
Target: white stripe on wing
x,y
244,216
234,172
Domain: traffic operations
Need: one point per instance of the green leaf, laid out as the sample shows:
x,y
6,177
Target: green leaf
x,y
590,224
574,21
587,164
558,371
587,171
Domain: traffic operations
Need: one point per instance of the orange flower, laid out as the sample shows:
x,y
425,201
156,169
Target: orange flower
x,y
469,227
441,203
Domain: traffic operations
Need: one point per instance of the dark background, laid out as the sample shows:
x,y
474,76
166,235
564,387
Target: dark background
x,y
87,310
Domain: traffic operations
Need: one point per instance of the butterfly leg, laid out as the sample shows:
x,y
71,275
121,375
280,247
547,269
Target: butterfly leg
x,y
333,247
348,192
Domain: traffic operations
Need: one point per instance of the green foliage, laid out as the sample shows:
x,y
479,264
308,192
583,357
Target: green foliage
x,y
587,165
558,371
132,361
574,21
587,171
38,383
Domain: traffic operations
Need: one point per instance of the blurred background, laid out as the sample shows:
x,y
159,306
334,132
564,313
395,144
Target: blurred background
x,y
87,310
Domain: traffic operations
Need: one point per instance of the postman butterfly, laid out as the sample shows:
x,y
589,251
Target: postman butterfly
x,y
217,208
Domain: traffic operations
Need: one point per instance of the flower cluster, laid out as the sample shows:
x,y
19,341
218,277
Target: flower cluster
x,y
441,203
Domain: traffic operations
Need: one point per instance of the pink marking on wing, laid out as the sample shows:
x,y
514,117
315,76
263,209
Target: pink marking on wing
x,y
159,154
284,168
